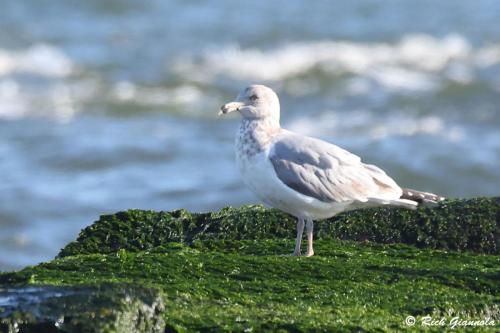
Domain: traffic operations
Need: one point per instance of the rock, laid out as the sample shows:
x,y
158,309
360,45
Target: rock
x,y
100,308
146,271
453,224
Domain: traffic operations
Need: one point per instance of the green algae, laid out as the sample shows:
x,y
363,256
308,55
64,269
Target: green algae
x,y
242,285
230,271
453,224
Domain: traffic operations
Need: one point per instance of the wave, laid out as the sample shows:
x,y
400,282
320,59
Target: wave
x,y
42,80
39,59
34,81
409,64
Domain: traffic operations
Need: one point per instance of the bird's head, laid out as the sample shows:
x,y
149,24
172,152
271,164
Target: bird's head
x,y
255,102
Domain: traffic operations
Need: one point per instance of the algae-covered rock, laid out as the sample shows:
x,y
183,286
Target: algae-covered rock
x,y
243,286
454,224
228,271
101,308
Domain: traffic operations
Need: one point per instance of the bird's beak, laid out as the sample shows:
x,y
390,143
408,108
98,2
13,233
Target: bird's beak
x,y
230,107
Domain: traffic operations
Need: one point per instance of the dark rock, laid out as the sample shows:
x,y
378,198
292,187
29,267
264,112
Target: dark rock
x,y
100,308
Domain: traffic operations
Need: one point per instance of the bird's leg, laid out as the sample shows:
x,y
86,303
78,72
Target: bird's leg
x,y
309,232
300,230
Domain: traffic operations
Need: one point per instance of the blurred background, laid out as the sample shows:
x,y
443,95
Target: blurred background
x,y
107,105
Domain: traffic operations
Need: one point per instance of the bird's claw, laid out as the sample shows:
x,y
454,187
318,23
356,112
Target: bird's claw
x,y
310,254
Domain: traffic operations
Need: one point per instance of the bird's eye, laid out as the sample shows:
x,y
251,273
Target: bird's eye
x,y
254,97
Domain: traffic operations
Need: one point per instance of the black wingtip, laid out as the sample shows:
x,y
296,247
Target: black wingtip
x,y
425,198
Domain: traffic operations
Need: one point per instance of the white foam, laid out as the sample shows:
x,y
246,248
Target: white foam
x,y
56,99
401,79
416,62
12,105
40,59
487,56
124,91
50,95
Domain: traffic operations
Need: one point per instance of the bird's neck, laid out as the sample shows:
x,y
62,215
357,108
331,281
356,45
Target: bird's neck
x,y
255,135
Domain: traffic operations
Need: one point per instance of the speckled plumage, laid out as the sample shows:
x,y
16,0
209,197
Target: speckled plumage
x,y
253,136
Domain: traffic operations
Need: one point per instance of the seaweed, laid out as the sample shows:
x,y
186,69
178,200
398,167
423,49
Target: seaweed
x,y
232,271
454,225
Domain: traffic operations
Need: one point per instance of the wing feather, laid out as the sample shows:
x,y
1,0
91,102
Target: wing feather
x,y
328,173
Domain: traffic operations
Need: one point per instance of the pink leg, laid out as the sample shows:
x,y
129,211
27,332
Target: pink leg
x,y
300,231
309,232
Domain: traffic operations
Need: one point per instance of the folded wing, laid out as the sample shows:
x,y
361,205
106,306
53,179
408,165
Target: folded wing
x,y
328,173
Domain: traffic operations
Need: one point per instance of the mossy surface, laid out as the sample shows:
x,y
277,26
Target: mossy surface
x,y
243,285
231,270
453,224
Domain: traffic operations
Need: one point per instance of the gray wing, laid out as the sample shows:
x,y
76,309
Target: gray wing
x,y
328,173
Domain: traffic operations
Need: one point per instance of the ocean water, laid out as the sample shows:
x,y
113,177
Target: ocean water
x,y
107,105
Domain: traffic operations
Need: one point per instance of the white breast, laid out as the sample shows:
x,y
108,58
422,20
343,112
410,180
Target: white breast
x,y
258,174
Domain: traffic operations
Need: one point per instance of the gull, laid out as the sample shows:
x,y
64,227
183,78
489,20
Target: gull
x,y
306,177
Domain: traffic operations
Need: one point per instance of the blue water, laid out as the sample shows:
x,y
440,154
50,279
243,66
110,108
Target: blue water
x,y
111,104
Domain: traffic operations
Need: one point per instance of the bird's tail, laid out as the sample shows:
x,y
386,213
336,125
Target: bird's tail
x,y
422,198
